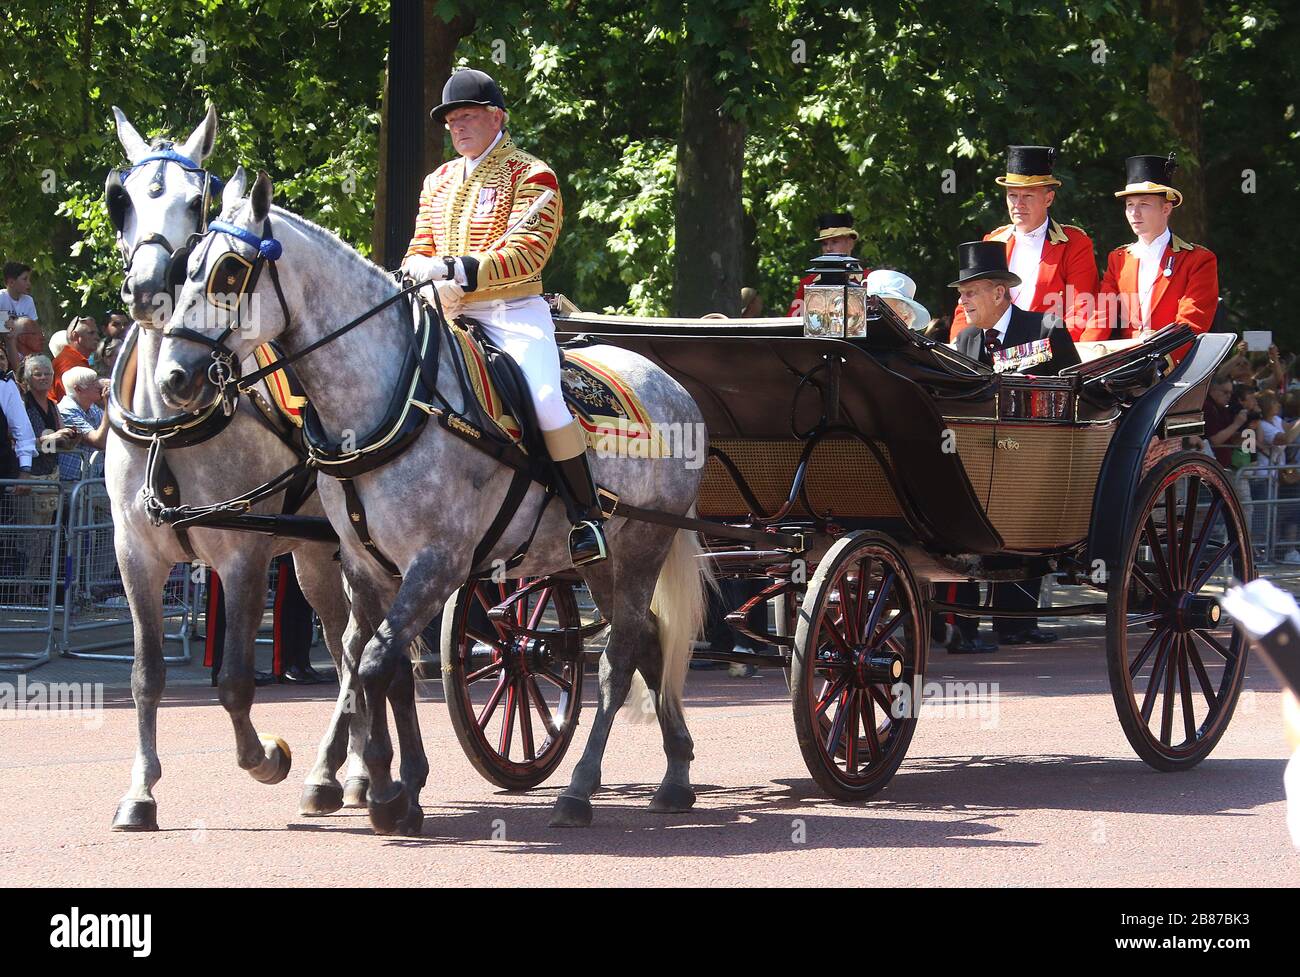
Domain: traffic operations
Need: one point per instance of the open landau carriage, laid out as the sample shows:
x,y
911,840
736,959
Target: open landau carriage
x,y
855,470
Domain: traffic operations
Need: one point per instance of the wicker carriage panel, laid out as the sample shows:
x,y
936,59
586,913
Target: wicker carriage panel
x,y
843,477
974,444
1044,477
1090,446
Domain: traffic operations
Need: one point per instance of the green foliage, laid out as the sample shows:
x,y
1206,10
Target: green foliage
x,y
868,107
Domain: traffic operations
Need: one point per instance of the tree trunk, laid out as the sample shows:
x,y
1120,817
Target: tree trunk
x,y
440,40
1176,96
709,212
381,180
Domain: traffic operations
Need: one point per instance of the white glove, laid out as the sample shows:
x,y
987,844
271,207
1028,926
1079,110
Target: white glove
x,y
423,268
451,295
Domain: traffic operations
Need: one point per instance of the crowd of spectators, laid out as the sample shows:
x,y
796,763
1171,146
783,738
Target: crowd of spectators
x,y
1252,427
51,396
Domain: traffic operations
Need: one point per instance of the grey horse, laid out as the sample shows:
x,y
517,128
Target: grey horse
x,y
244,455
428,508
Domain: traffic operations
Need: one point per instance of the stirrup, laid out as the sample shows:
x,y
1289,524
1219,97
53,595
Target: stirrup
x,y
587,543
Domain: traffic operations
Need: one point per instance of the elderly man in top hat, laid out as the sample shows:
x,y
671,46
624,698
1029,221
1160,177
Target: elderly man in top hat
x,y
1054,261
1006,338
487,223
1160,279
836,235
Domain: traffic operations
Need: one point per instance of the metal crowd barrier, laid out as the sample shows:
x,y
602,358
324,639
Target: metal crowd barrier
x,y
96,616
1272,510
31,544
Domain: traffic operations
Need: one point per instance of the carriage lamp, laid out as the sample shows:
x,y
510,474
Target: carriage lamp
x,y
835,302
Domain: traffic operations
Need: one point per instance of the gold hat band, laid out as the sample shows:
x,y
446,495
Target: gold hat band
x,y
1023,180
830,232
1135,188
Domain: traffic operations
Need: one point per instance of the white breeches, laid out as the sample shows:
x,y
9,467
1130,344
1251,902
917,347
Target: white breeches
x,y
524,330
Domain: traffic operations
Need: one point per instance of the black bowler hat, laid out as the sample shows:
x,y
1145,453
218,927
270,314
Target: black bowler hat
x,y
1151,174
835,225
1029,166
978,260
468,87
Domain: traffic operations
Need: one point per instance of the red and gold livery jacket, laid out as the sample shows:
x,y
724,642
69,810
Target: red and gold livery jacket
x,y
1067,271
469,219
1188,293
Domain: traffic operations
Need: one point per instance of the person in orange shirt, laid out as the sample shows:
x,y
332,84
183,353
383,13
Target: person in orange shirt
x,y
1159,279
83,340
1054,261
836,235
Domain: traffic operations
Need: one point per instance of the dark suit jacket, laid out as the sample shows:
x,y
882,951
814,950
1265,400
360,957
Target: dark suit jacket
x,y
1025,327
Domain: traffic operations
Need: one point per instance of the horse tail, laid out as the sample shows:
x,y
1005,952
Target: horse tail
x,y
679,604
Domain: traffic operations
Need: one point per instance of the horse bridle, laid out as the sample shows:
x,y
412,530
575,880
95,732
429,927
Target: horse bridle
x,y
118,200
235,269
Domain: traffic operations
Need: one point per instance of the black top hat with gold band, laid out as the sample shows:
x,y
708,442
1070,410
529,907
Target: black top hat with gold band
x,y
979,260
1150,174
835,225
1029,166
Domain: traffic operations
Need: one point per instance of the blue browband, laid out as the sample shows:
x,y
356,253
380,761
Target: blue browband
x,y
268,248
171,156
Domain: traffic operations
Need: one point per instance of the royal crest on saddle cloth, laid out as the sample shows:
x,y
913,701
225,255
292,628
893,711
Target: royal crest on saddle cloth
x,y
611,416
1022,357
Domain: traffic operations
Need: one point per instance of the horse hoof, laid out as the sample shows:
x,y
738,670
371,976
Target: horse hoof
x,y
136,816
278,760
673,799
354,792
412,826
320,799
386,816
571,812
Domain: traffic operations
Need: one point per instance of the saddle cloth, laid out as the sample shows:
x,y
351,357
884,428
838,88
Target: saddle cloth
x,y
611,415
286,392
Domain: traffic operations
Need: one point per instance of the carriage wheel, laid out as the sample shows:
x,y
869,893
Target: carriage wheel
x,y
861,633
514,698
1176,663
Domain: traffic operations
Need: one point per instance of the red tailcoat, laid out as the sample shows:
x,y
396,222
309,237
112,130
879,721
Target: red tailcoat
x,y
1067,271
1188,293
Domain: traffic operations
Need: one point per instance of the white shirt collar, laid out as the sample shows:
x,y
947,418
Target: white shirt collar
x,y
1003,324
1038,234
471,164
1156,249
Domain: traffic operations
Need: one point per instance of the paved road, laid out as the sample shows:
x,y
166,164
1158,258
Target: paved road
x,y
1045,791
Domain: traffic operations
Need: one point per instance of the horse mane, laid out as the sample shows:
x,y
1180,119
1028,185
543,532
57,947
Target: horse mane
x,y
377,273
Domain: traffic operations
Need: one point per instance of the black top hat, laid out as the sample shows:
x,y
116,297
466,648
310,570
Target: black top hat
x,y
1029,166
1150,174
977,260
835,225
468,87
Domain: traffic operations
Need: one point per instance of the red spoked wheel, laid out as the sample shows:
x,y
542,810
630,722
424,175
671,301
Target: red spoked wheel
x,y
512,669
1176,664
859,649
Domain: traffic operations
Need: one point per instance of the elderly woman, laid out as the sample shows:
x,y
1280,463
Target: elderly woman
x,y
80,410
38,508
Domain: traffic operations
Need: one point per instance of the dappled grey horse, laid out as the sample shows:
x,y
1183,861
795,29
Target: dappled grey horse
x,y
157,206
428,508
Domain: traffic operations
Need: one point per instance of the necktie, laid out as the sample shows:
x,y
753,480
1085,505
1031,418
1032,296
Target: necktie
x,y
991,342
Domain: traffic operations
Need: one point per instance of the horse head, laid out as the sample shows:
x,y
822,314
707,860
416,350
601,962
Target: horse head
x,y
221,310
156,205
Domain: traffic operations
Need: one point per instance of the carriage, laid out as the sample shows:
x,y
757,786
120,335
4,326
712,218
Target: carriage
x,y
855,465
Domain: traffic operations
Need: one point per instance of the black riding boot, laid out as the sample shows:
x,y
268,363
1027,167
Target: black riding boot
x,y
577,491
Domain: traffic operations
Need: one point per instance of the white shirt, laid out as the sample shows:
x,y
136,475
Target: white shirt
x,y
22,306
1002,325
472,164
19,427
1149,269
1025,257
